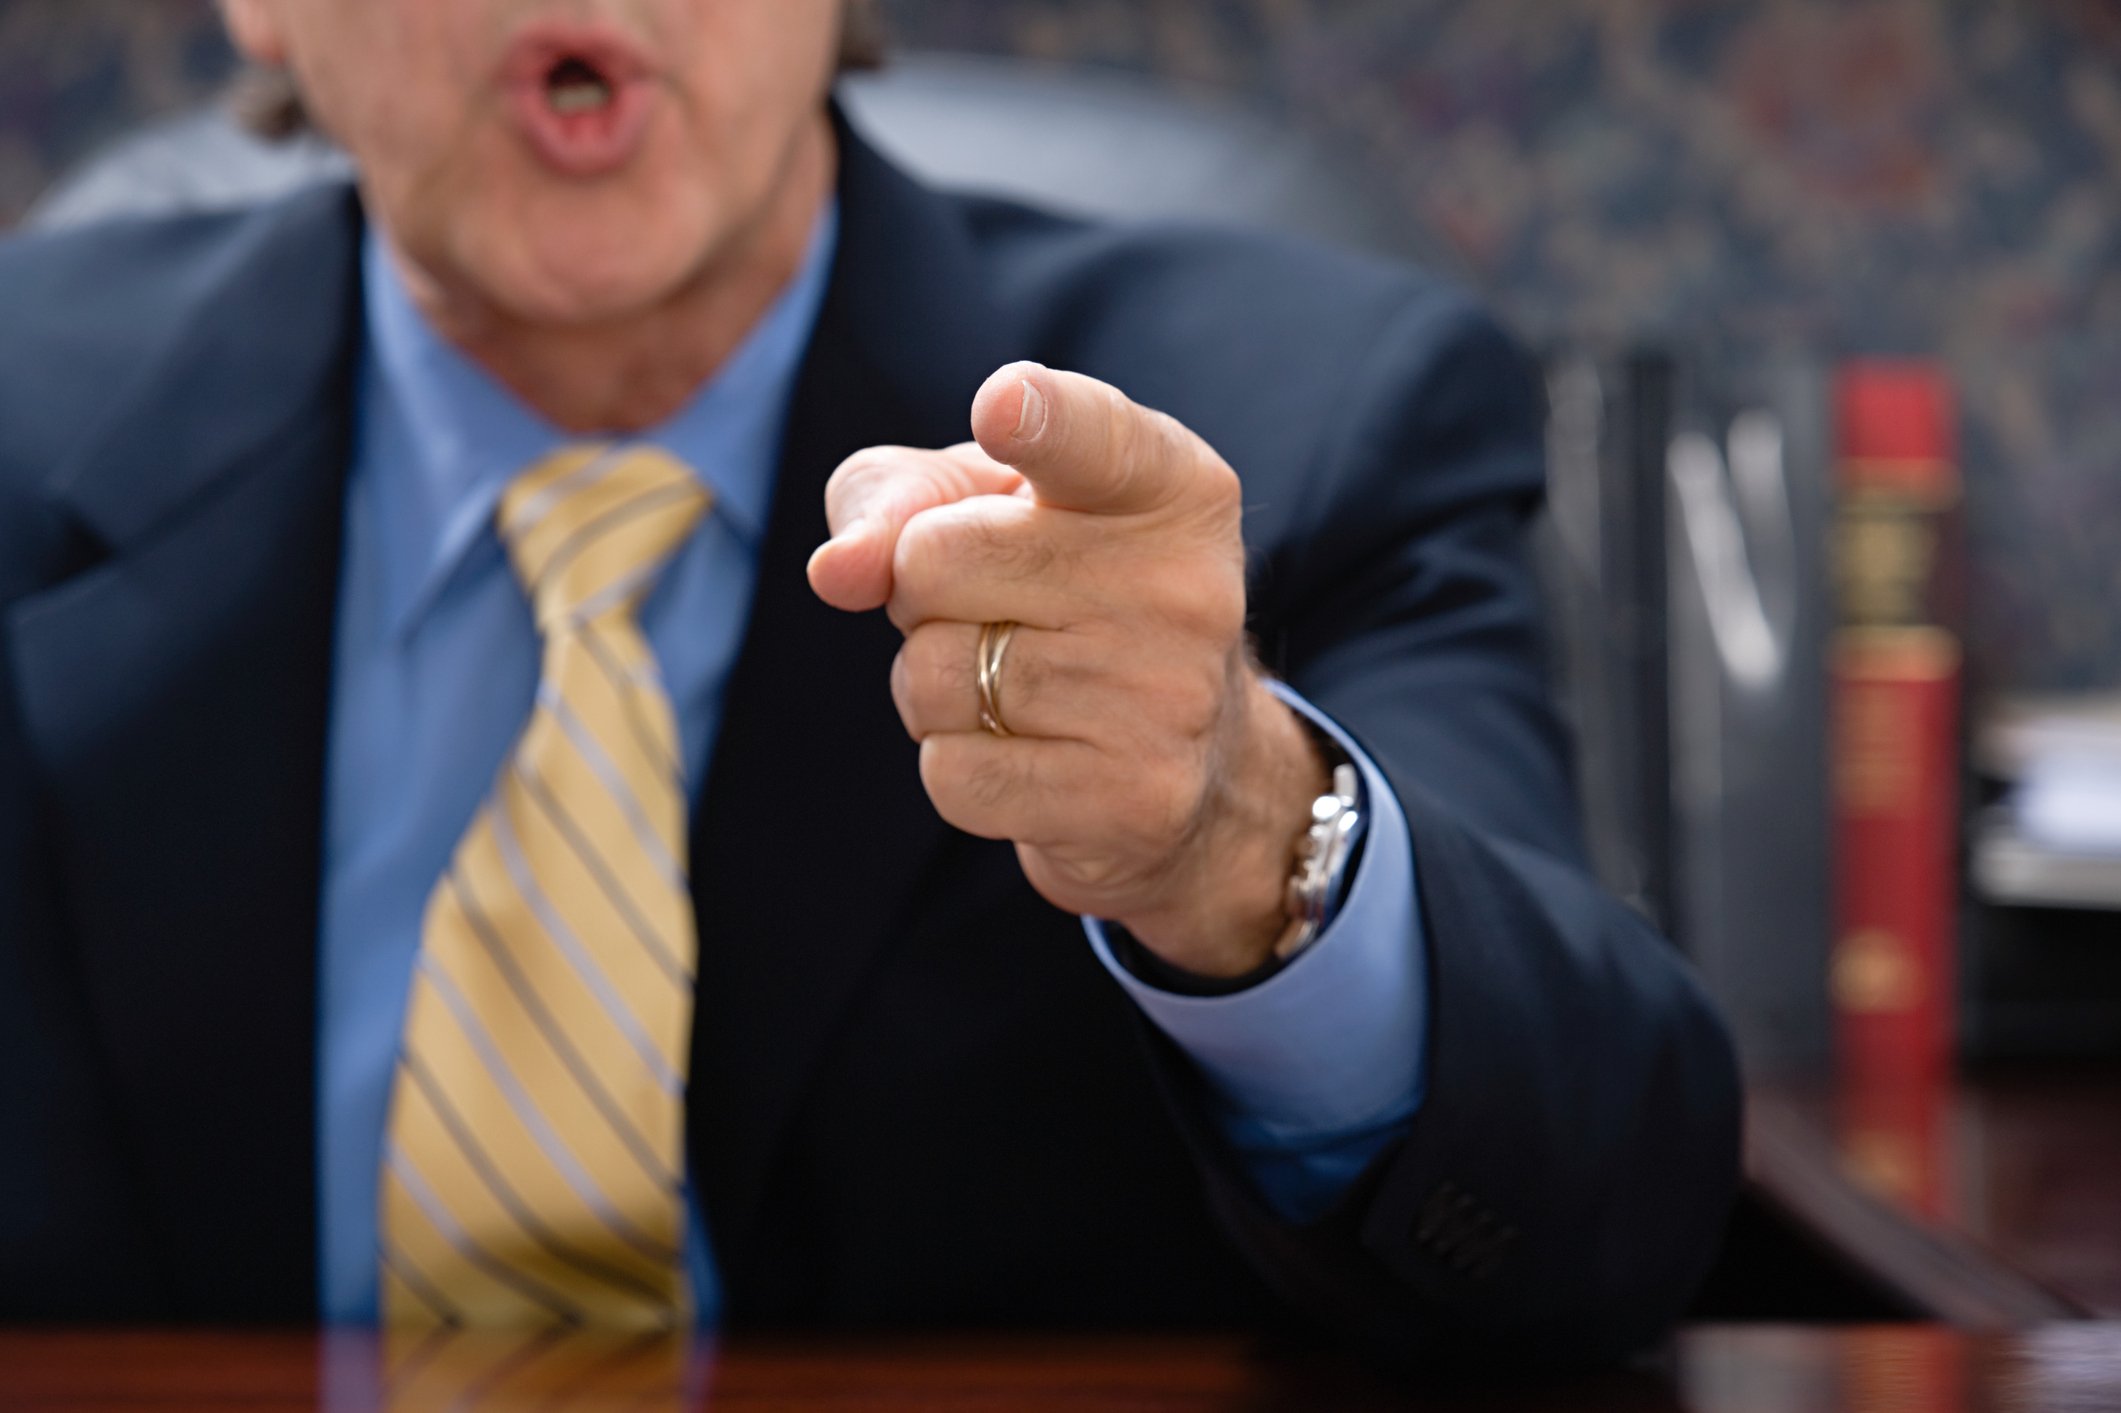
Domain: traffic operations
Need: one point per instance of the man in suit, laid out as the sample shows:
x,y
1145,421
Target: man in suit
x,y
470,853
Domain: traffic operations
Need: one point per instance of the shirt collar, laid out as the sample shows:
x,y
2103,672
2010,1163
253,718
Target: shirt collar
x,y
441,438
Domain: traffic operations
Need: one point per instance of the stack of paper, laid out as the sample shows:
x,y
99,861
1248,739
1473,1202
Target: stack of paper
x,y
2056,838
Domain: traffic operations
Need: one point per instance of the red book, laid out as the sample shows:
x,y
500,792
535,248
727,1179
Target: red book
x,y
1895,677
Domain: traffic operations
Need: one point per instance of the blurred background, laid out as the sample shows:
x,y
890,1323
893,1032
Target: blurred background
x,y
1763,248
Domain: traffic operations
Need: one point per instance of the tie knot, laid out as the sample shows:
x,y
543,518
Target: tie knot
x,y
588,528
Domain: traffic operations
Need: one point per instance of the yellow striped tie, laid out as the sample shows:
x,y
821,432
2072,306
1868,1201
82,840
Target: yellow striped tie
x,y
533,1164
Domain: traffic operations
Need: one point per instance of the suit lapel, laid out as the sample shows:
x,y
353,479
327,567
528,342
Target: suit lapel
x,y
814,826
174,697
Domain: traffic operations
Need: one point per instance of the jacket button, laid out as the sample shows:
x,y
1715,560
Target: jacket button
x,y
1456,1229
1492,1252
1435,1214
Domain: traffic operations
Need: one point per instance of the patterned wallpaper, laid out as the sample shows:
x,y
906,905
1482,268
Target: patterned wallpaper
x,y
1835,175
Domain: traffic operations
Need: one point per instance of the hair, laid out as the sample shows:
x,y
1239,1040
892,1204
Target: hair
x,y
269,103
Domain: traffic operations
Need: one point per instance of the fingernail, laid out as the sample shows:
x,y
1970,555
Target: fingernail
x,y
1031,416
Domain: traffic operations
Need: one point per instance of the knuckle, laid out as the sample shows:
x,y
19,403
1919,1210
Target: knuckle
x,y
1130,442
938,773
1205,606
969,785
1010,547
927,679
1214,504
1121,419
1087,875
945,662
921,552
1187,473
1153,442
1192,701
922,652
1178,797
943,768
869,462
935,770
1152,812
991,781
1221,485
991,536
902,695
857,476
1166,437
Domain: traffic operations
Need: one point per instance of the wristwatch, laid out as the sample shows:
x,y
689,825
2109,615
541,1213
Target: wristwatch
x,y
1325,854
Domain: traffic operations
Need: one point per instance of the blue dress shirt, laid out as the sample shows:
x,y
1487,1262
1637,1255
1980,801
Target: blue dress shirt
x,y
435,668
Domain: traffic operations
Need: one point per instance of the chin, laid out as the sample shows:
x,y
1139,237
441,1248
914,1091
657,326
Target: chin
x,y
547,250
592,273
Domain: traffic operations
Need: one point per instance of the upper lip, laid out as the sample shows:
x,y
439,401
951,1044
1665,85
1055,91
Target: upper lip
x,y
540,47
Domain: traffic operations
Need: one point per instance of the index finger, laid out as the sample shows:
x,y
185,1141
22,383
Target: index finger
x,y
1084,445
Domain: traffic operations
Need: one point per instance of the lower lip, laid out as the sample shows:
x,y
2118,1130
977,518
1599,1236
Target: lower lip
x,y
593,143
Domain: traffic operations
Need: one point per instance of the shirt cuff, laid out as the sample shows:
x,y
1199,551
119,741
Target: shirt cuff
x,y
1333,1043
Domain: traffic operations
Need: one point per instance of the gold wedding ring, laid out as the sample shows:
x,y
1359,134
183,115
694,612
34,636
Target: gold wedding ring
x,y
993,647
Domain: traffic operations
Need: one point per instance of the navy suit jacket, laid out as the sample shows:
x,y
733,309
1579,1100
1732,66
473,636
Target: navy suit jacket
x,y
916,1099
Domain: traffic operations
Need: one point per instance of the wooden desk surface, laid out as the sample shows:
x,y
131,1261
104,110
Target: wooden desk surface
x,y
1992,1201
1882,1369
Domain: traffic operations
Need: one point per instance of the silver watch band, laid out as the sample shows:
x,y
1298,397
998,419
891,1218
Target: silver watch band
x,y
1323,854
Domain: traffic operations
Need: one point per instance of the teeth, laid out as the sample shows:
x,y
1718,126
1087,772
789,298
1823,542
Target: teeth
x,y
578,96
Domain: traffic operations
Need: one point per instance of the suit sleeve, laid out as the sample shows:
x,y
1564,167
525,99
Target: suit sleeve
x,y
1318,1067
1564,1185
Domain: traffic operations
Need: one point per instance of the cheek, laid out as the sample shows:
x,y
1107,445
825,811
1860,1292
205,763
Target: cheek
x,y
391,80
762,65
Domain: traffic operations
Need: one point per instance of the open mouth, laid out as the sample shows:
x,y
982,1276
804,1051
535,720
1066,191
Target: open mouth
x,y
582,96
576,86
